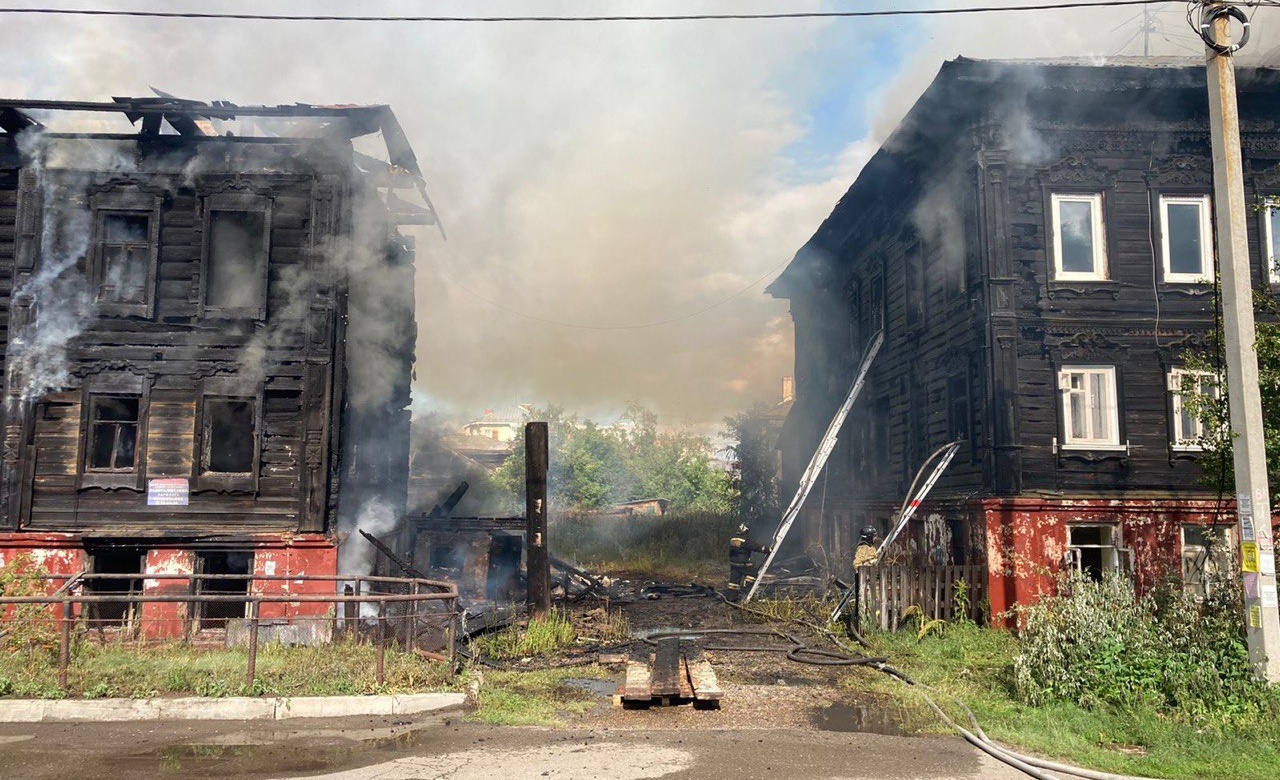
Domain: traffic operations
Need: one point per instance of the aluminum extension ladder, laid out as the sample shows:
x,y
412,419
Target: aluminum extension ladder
x,y
810,476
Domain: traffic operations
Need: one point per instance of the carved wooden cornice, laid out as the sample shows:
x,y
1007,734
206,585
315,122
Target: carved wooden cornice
x,y
1183,170
1076,169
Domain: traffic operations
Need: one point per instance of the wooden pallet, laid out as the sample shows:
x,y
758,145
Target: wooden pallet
x,y
670,676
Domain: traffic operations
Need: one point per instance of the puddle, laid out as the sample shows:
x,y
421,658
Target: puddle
x,y
868,719
604,687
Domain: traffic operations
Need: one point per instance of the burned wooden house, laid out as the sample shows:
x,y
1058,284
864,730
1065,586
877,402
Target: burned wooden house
x,y
207,320
1036,242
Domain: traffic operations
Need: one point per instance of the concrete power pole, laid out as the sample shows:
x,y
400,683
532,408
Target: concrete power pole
x,y
1262,619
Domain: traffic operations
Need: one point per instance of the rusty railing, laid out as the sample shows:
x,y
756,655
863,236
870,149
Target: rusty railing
x,y
384,611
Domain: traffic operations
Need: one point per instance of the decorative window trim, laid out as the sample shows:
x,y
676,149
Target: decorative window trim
x,y
1113,442
1270,244
1208,260
230,389
234,202
1100,263
120,386
1177,440
126,202
1197,585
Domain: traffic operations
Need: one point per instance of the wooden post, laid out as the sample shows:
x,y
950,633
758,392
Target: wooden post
x,y
64,644
253,641
349,613
411,620
537,561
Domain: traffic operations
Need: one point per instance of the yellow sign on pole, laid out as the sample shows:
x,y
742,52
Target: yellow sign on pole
x,y
1249,556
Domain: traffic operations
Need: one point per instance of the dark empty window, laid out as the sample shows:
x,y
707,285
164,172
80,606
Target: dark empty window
x,y
230,436
914,271
1094,549
126,258
236,272
446,557
113,433
213,567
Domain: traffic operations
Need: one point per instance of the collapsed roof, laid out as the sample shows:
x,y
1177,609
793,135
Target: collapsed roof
x,y
166,115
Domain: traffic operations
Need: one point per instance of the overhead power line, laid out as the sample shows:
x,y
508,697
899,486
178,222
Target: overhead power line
x,y
1046,6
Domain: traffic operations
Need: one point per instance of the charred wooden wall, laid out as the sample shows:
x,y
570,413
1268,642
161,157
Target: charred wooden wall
x,y
287,357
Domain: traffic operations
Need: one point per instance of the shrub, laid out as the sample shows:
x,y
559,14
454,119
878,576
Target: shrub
x,y
1097,644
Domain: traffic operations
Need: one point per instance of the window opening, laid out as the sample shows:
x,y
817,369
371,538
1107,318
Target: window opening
x,y
236,273
213,614
1271,247
958,408
230,436
1094,550
502,578
113,433
1089,409
1189,429
1208,555
447,556
129,564
1185,239
1079,240
126,258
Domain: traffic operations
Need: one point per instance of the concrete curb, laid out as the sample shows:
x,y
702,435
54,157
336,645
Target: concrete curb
x,y
232,708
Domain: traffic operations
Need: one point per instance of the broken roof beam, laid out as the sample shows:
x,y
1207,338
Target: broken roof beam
x,y
13,121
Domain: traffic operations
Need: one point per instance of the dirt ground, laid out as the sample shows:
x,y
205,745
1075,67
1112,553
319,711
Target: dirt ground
x,y
778,718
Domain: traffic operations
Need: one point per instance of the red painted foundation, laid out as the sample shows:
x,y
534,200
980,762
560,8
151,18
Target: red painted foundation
x,y
1027,540
289,557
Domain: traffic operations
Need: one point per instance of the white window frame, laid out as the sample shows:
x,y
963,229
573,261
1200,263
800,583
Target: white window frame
x,y
1111,405
1099,272
1113,562
1206,243
1178,437
1270,255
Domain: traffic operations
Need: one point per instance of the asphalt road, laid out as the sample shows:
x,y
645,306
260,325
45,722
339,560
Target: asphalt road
x,y
441,748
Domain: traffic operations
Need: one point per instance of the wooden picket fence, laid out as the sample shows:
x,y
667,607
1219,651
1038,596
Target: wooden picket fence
x,y
888,590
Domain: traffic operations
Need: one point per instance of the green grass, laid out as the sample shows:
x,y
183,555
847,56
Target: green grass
x,y
683,547
975,665
540,698
121,670
540,637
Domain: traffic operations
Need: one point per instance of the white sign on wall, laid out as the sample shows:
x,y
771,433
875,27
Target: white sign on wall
x,y
175,491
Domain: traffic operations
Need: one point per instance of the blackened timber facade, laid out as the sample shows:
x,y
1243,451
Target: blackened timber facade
x,y
1036,241
175,306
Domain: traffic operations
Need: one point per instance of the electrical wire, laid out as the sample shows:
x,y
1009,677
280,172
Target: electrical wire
x,y
783,15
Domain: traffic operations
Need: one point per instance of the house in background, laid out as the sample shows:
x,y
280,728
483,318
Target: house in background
x,y
193,378
1036,242
500,425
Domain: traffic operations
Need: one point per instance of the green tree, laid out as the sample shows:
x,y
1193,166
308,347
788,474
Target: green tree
x,y
756,469
1207,400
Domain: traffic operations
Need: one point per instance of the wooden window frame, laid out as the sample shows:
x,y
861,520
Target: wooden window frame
x,y
1208,257
1113,443
1119,563
226,389
119,386
1206,555
241,203
1177,438
135,204
1101,270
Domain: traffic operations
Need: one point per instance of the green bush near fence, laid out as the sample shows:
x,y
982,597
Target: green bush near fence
x,y
1098,644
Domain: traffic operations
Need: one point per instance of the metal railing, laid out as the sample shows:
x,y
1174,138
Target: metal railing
x,y
383,611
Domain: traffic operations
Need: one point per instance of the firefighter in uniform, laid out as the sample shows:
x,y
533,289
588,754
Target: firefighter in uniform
x,y
742,574
863,555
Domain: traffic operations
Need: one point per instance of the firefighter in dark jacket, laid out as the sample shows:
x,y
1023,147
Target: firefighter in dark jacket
x,y
742,574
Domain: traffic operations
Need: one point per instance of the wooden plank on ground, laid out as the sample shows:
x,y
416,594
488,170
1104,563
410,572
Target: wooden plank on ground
x,y
636,687
703,678
686,685
666,668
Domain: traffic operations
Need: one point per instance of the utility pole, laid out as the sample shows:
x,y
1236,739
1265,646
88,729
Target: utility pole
x,y
1253,500
536,557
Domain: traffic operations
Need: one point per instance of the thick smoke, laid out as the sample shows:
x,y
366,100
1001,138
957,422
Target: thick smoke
x,y
58,295
597,175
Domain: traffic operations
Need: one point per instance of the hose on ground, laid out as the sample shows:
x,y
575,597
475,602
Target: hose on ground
x,y
1031,765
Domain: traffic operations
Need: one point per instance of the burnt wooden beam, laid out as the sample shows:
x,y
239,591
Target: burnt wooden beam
x,y
404,564
537,562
